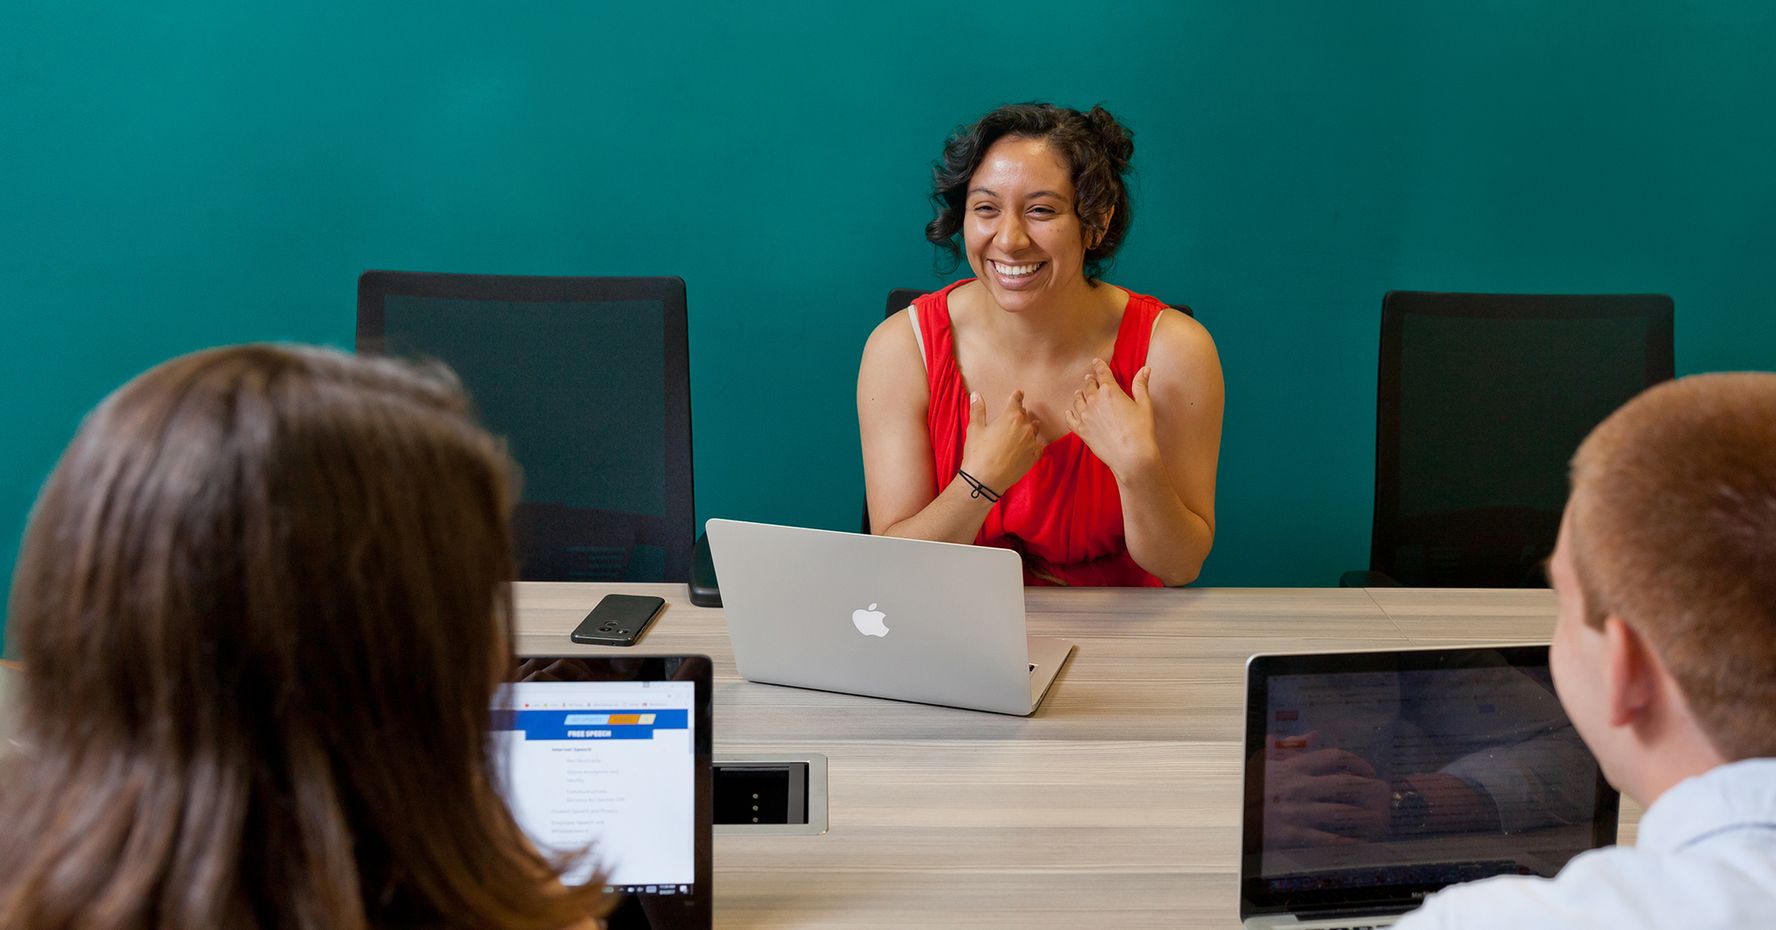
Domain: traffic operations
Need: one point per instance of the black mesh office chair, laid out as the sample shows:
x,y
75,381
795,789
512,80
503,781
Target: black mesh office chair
x,y
902,297
588,381
1482,400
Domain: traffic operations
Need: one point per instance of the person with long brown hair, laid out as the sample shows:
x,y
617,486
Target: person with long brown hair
x,y
263,606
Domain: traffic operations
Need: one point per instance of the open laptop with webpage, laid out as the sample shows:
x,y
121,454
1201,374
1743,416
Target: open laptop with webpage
x,y
1375,778
612,753
908,619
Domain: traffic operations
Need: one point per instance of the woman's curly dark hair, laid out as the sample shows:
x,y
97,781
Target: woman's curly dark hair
x,y
1095,146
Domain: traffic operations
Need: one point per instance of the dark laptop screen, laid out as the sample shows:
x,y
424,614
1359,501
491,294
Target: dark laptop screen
x,y
1375,778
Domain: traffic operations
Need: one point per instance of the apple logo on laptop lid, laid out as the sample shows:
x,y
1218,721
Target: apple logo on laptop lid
x,y
869,621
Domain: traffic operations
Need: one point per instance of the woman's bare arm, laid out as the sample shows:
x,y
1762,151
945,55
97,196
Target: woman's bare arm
x,y
1168,506
892,404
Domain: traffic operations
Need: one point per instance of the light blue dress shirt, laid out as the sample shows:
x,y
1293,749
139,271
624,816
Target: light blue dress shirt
x,y
1705,858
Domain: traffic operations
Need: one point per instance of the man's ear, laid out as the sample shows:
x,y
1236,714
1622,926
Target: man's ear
x,y
1631,672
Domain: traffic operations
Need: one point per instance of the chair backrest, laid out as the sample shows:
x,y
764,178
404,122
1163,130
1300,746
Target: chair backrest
x,y
1482,400
588,381
901,298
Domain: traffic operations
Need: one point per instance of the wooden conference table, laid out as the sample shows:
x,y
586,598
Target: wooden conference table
x,y
1116,805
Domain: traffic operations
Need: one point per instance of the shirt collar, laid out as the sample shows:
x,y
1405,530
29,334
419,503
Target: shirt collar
x,y
1737,794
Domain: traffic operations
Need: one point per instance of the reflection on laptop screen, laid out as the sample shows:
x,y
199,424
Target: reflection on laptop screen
x,y
1383,775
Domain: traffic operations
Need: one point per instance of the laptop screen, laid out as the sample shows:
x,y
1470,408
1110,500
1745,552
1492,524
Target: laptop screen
x,y
1373,779
611,756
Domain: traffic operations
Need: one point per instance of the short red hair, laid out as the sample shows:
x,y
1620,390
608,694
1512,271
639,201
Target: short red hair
x,y
1673,529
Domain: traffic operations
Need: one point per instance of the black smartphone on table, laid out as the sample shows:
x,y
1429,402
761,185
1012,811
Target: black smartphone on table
x,y
618,620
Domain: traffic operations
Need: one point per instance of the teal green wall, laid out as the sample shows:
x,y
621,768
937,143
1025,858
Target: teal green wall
x,y
217,172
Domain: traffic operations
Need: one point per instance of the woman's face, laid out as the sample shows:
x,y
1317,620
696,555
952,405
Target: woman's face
x,y
1023,238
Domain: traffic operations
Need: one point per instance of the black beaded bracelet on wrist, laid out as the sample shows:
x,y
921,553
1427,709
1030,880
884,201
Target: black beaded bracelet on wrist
x,y
980,490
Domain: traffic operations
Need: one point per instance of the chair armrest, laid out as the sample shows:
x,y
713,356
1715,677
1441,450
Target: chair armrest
x,y
705,589
1367,579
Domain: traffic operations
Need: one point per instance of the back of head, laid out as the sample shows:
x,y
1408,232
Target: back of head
x,y
1673,523
262,609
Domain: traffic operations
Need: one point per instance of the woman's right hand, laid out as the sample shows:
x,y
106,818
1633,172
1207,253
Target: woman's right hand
x,y
999,451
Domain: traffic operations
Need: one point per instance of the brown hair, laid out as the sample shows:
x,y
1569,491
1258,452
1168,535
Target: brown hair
x,y
262,605
1674,530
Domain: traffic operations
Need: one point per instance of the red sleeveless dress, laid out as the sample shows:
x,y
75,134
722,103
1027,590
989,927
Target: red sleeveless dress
x,y
1065,515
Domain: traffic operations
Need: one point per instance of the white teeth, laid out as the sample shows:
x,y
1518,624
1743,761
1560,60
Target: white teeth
x,y
1016,271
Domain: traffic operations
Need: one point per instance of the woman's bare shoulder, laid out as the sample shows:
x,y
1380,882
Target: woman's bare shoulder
x,y
893,366
1180,336
892,342
1182,355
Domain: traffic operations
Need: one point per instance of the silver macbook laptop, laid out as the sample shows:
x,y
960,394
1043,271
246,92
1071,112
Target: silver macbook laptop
x,y
1375,778
932,622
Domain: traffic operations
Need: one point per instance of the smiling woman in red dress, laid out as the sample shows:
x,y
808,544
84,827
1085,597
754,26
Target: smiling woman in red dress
x,y
1036,407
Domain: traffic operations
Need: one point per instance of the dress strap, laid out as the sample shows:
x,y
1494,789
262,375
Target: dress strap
x,y
1133,337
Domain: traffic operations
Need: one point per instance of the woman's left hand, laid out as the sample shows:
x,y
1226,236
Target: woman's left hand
x,y
1117,427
